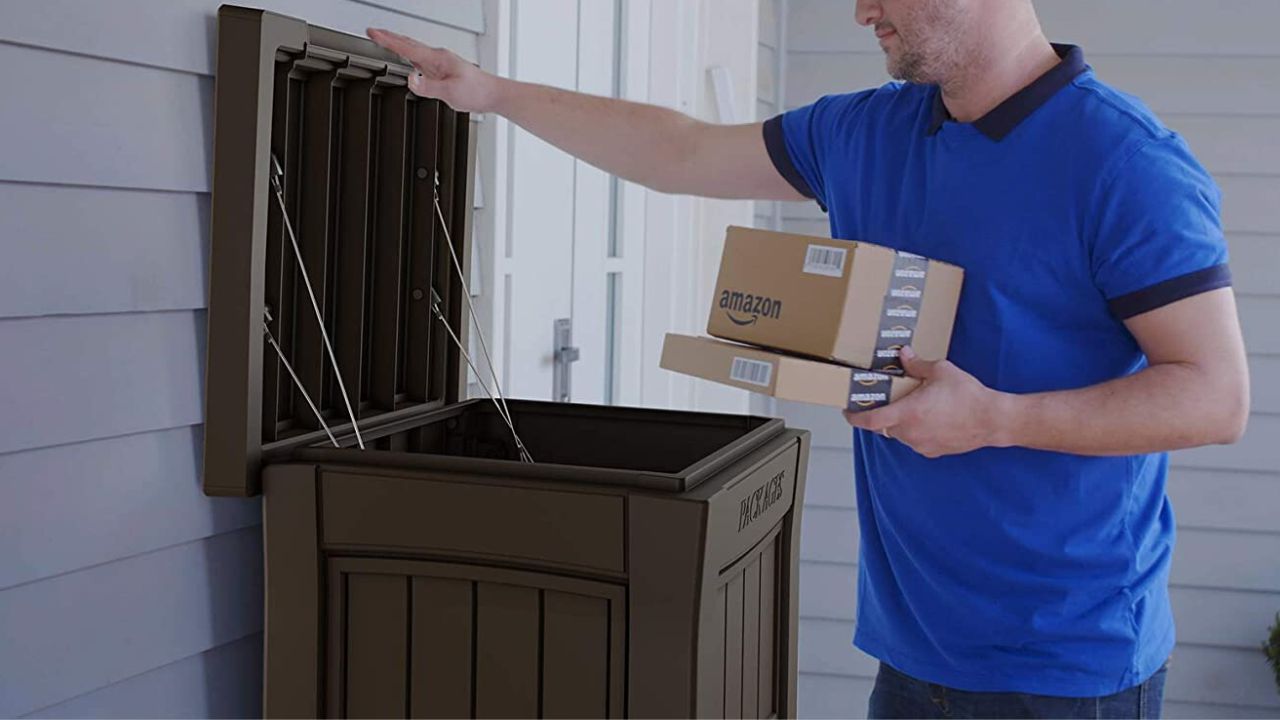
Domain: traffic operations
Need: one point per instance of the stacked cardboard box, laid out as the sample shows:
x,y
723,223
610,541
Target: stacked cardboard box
x,y
819,320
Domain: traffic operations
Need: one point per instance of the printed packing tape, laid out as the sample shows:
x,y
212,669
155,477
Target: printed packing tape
x,y
901,311
868,390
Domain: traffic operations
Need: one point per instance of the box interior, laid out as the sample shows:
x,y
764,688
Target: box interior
x,y
594,436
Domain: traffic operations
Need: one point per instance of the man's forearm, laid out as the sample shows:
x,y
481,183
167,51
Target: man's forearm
x,y
1164,407
641,143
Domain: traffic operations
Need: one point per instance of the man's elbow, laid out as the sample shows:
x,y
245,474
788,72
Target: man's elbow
x,y
1232,416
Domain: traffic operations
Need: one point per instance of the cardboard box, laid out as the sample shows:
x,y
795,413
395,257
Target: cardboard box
x,y
849,302
782,376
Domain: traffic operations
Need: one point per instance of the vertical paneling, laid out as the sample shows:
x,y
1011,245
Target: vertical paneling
x,y
449,154
507,651
388,252
354,210
277,386
335,683
751,639
768,628
619,651
313,229
713,675
440,662
454,149
733,646
575,656
421,244
377,639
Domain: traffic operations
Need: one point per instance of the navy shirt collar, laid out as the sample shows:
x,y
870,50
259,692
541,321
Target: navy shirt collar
x,y
1004,117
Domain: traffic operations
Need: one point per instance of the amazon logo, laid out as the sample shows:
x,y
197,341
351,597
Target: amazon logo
x,y
902,310
870,398
891,353
746,309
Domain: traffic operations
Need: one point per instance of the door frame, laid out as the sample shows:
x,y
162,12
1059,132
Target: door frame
x,y
670,242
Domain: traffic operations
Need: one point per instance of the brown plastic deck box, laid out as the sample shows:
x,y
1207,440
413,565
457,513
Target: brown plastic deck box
x,y
645,565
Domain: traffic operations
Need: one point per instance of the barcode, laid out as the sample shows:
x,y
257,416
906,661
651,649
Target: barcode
x,y
823,260
755,372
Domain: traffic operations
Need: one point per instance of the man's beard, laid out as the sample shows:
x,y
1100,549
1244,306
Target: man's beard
x,y
908,66
932,44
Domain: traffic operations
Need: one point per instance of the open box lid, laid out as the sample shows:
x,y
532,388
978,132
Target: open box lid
x,y
362,162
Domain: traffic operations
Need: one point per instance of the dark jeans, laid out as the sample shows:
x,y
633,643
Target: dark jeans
x,y
897,695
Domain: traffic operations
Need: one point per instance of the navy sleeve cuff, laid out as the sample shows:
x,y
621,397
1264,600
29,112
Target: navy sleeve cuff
x,y
776,144
1170,291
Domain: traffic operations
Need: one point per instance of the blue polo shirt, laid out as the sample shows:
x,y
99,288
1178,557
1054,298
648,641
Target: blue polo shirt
x,y
1071,208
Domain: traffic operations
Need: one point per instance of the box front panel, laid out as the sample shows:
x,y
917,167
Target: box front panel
x,y
473,520
424,639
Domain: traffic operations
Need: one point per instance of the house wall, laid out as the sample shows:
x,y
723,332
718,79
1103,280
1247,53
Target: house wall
x,y
123,590
1214,76
771,51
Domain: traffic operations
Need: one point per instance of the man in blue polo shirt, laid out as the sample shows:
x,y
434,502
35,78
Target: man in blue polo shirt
x,y
1016,535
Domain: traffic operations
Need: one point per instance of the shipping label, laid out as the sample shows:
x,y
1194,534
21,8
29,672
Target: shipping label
x,y
824,260
752,372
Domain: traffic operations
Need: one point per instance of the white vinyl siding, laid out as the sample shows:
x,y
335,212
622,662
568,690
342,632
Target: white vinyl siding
x,y
124,592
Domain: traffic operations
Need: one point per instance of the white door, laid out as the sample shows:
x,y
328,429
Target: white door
x,y
624,265
561,215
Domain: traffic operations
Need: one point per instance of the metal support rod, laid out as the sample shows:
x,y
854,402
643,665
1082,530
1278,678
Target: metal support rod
x,y
466,293
506,416
305,396
277,172
500,401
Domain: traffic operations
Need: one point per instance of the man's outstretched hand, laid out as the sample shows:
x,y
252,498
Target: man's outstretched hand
x,y
442,74
950,413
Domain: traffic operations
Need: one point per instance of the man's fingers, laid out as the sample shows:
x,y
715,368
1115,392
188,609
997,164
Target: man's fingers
x,y
381,35
875,420
406,47
915,367
394,42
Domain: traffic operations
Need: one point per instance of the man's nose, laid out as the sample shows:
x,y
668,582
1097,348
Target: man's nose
x,y
868,12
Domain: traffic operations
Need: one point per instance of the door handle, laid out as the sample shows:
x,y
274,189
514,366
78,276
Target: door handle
x,y
564,354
